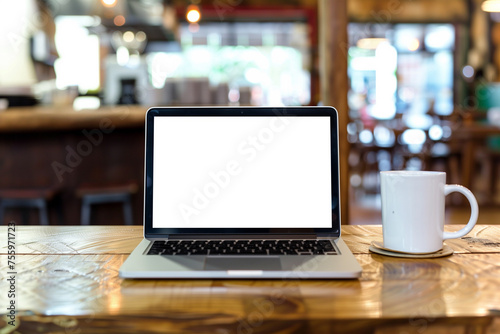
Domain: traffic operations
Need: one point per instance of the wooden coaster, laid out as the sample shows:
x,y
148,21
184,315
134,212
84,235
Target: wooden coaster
x,y
445,251
380,245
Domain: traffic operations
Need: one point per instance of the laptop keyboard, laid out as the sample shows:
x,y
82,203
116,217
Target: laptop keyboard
x,y
243,247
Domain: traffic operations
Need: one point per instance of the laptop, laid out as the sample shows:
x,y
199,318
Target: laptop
x,y
241,192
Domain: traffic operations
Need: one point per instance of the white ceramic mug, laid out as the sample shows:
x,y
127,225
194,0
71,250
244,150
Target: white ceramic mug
x,y
413,210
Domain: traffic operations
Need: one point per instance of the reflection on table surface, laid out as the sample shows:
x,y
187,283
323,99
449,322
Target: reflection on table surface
x,y
68,279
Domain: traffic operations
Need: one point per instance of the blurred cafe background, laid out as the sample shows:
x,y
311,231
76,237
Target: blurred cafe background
x,y
421,92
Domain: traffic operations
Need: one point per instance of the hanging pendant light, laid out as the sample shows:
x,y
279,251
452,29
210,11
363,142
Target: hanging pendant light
x,y
491,6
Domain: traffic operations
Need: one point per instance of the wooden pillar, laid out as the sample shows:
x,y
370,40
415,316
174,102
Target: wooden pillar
x,y
333,48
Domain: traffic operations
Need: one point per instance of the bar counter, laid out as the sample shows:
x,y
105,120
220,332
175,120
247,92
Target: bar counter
x,y
50,118
63,149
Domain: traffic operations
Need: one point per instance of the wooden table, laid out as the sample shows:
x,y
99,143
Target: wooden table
x,y
67,282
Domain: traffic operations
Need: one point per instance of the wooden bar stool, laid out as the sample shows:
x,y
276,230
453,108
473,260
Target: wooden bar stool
x,y
27,199
91,195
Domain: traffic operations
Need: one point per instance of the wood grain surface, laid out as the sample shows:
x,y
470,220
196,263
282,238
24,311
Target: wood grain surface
x,y
50,118
67,282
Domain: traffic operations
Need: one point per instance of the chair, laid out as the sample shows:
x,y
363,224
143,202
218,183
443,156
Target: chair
x,y
490,161
92,195
35,198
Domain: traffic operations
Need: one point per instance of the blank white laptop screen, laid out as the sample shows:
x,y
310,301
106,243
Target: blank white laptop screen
x,y
242,172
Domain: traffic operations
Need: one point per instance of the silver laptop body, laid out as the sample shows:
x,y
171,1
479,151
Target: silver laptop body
x,y
241,176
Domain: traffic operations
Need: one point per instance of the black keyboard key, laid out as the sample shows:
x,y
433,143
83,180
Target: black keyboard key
x,y
198,252
213,243
255,243
241,243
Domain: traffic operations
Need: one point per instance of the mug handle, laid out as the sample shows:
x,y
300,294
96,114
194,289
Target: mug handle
x,y
449,188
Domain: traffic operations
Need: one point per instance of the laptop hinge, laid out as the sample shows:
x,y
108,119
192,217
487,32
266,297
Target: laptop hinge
x,y
242,236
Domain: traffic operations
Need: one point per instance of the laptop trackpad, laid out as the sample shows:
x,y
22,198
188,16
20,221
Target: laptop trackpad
x,y
246,263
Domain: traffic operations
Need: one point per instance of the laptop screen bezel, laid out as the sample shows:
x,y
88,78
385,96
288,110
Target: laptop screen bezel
x,y
153,113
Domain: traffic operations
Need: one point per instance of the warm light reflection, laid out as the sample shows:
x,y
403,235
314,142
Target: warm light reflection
x,y
413,44
119,20
370,43
109,3
114,301
491,6
140,36
128,36
193,14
